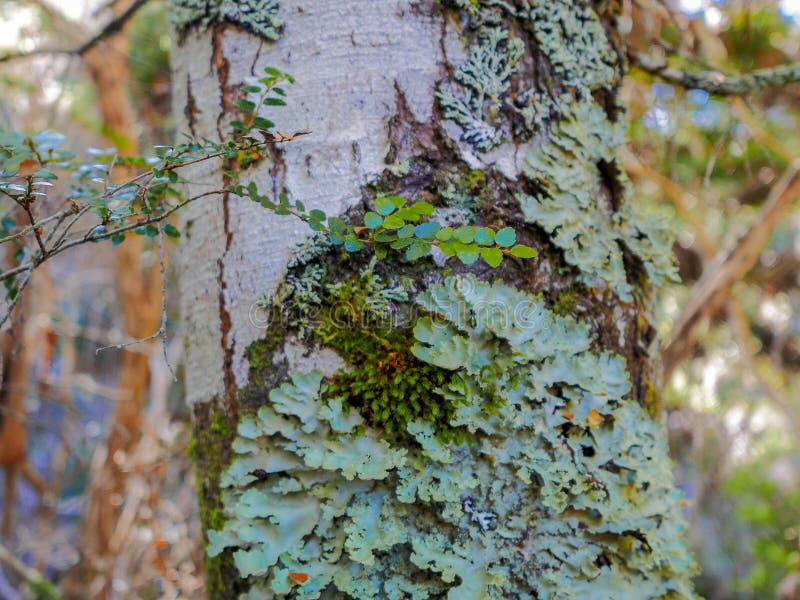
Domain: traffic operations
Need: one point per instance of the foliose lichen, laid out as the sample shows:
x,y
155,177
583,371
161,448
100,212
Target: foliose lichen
x,y
484,80
572,38
587,226
564,492
259,17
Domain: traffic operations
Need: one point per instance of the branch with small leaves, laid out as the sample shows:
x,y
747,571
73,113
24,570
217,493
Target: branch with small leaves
x,y
393,225
140,205
95,208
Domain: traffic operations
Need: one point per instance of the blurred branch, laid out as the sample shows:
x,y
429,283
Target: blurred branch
x,y
745,115
110,28
717,82
749,348
41,588
729,267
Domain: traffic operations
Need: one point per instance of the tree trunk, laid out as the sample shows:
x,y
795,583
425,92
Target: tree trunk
x,y
426,429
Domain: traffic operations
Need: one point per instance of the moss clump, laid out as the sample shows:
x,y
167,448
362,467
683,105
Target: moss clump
x,y
652,399
390,387
566,303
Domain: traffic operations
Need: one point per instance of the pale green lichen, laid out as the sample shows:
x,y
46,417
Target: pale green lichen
x,y
564,492
570,206
572,38
259,17
485,80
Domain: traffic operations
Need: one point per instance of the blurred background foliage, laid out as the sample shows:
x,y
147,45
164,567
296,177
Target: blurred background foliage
x,y
731,395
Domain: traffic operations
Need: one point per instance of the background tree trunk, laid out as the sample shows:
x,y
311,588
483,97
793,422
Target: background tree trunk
x,y
543,470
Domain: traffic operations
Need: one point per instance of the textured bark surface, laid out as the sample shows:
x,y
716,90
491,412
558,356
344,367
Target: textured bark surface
x,y
499,114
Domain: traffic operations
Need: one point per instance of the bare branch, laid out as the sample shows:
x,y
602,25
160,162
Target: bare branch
x,y
110,28
712,289
717,82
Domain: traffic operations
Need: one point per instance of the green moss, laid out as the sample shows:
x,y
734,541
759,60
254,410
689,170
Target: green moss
x,y
210,446
652,402
566,303
389,387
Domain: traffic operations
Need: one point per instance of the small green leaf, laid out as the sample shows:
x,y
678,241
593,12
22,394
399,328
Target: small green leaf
x,y
353,244
274,102
417,250
484,237
384,206
423,209
521,251
300,206
171,231
384,237
398,201
245,105
318,215
338,229
469,254
427,231
373,220
251,89
399,244
381,252
151,230
45,174
451,247
262,123
407,214
117,238
505,237
406,231
492,256
273,72
465,234
393,222
444,234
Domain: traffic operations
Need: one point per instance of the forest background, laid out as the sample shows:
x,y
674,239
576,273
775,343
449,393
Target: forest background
x,y
708,162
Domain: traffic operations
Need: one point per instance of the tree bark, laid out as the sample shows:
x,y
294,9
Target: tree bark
x,y
426,429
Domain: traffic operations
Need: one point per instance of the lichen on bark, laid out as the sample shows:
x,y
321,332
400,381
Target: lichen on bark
x,y
545,501
259,17
559,485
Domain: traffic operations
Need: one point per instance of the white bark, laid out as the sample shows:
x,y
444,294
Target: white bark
x,y
349,60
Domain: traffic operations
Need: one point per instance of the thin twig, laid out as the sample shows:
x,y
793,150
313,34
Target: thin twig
x,y
110,28
26,206
29,228
162,330
717,82
60,247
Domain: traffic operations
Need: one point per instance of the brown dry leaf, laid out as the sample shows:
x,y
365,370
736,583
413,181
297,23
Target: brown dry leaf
x,y
28,167
594,418
567,415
